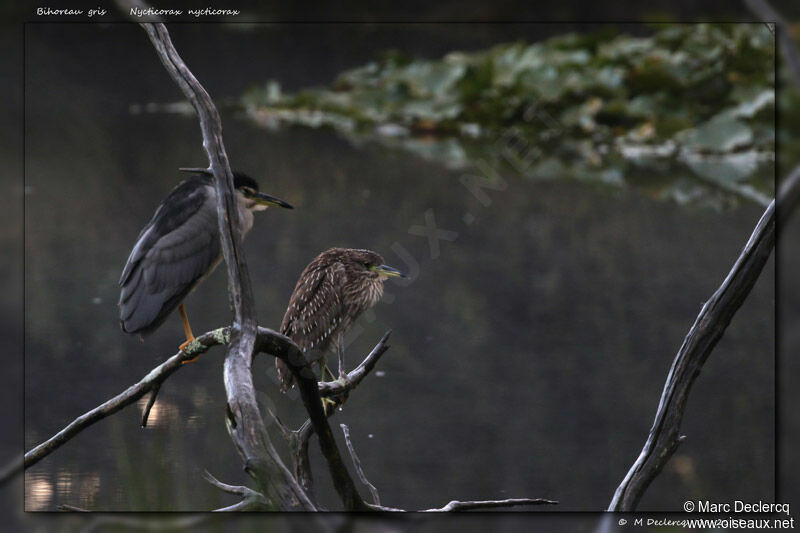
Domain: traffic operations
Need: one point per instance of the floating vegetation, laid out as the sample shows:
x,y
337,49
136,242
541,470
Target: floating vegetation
x,y
691,102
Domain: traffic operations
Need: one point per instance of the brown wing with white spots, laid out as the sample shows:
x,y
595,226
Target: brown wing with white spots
x,y
314,313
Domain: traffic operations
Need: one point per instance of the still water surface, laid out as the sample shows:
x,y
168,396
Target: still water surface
x,y
527,356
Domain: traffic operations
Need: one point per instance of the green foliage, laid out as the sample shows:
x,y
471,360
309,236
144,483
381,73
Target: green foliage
x,y
693,101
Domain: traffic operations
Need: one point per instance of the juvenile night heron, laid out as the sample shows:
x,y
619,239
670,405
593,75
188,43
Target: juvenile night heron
x,y
178,248
333,290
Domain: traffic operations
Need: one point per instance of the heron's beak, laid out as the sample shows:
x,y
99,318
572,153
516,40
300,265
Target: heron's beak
x,y
389,272
267,200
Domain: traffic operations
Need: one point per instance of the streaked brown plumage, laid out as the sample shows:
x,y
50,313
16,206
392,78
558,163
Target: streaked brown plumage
x,y
333,290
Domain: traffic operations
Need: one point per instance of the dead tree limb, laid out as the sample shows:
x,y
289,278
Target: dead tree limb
x,y
246,427
338,391
714,317
282,347
148,383
376,497
704,334
456,505
278,488
251,500
453,506
267,341
352,379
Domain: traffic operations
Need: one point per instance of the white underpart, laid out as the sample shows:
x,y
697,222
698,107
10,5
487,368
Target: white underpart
x,y
246,208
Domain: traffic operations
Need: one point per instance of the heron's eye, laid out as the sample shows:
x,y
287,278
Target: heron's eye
x,y
248,191
366,264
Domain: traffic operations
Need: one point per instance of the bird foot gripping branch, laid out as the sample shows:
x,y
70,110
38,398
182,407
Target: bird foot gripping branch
x,y
192,350
331,402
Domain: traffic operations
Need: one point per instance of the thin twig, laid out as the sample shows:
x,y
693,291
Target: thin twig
x,y
251,499
238,490
376,498
329,389
150,401
455,505
285,431
72,508
196,170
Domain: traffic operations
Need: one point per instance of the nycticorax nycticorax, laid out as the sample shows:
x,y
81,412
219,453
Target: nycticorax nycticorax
x,y
333,290
178,248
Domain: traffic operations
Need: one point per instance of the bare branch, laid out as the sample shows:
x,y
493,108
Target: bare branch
x,y
708,328
713,320
282,347
704,334
251,500
285,431
196,170
267,340
149,406
152,380
455,505
238,490
279,345
298,440
376,498
245,424
246,427
72,508
301,465
329,389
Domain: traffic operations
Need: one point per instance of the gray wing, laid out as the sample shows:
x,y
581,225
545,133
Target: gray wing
x,y
177,248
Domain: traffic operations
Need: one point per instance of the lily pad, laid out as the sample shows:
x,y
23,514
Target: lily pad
x,y
722,133
589,107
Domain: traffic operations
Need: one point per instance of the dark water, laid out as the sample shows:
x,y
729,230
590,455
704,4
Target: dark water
x,y
527,356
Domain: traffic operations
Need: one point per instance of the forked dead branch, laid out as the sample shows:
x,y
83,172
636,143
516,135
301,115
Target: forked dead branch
x,y
277,487
715,315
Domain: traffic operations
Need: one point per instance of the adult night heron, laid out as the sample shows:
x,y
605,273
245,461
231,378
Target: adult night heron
x,y
333,290
178,248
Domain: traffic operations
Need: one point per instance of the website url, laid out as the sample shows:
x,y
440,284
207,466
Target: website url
x,y
722,523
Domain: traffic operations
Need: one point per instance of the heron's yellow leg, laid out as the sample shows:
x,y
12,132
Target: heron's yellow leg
x,y
323,369
328,405
187,329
